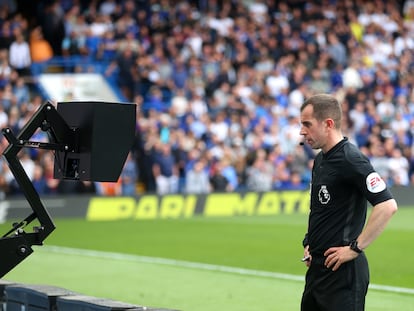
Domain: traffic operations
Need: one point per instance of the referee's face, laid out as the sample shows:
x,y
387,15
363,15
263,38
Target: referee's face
x,y
313,131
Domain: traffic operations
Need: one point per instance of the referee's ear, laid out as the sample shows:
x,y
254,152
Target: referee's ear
x,y
330,123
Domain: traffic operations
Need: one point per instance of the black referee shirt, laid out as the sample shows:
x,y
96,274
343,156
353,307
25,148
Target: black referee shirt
x,y
343,180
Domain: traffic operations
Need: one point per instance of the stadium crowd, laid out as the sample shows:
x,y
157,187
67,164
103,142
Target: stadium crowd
x,y
219,84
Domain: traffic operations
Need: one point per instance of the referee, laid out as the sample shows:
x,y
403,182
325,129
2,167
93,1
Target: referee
x,y
343,180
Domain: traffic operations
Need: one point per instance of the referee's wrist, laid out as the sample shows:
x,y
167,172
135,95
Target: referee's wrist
x,y
354,246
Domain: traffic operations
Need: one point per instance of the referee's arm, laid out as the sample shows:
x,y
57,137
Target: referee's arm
x,y
380,216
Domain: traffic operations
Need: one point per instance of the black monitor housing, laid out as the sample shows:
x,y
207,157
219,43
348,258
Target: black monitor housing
x,y
91,141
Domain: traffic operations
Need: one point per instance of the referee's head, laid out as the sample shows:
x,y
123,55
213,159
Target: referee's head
x,y
325,106
321,117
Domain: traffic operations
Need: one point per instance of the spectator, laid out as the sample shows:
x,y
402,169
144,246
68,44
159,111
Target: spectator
x,y
357,117
398,123
29,167
351,78
51,21
108,7
282,176
289,138
197,127
386,109
73,45
6,71
399,168
165,169
40,49
260,173
179,104
197,179
297,160
276,81
48,165
8,98
39,180
229,172
180,74
108,46
19,54
6,33
21,92
336,50
125,64
379,159
219,183
318,83
129,176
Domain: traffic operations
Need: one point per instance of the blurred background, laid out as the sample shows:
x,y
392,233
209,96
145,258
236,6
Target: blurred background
x,y
218,86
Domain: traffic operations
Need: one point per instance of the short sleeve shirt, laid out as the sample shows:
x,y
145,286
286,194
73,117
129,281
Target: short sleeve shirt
x,y
343,181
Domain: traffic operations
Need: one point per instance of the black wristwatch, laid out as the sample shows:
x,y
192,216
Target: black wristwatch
x,y
354,246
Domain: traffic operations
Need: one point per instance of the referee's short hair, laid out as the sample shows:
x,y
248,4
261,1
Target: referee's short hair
x,y
325,106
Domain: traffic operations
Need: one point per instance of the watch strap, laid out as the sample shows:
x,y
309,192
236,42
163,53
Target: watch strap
x,y
354,246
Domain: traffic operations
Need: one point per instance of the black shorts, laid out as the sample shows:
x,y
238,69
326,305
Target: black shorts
x,y
344,289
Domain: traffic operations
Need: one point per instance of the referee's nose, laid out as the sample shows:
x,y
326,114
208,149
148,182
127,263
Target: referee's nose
x,y
303,132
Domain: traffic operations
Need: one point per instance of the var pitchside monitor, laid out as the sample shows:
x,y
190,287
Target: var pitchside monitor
x,y
104,134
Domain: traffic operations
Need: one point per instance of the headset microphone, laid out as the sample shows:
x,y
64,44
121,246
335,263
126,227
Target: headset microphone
x,y
302,143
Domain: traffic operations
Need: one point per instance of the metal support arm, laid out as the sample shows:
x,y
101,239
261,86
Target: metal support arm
x,y
16,244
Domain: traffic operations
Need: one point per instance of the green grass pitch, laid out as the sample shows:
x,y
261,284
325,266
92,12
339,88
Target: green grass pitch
x,y
197,264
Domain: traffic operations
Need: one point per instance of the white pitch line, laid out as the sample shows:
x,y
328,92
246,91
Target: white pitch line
x,y
200,266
